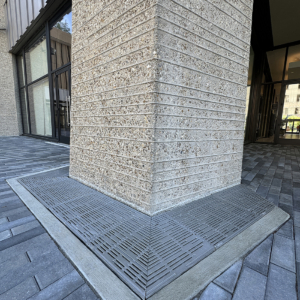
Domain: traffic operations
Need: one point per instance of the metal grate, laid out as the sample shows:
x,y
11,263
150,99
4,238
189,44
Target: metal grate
x,y
147,252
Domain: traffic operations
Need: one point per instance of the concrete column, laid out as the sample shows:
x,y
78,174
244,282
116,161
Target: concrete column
x,y
158,98
10,116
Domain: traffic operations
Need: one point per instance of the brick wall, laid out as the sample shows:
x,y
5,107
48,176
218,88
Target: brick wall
x,y
159,91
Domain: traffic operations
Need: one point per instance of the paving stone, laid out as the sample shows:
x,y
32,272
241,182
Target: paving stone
x,y
3,220
297,218
283,253
21,215
17,239
55,272
296,193
83,293
25,227
24,290
276,182
259,259
16,276
281,284
229,278
10,207
286,199
273,198
5,235
297,243
16,223
13,212
38,242
263,191
61,288
14,263
298,278
251,285
215,292
287,230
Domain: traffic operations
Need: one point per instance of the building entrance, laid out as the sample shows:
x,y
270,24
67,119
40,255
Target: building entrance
x,y
62,103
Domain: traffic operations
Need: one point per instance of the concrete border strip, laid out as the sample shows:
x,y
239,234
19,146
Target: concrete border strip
x,y
110,287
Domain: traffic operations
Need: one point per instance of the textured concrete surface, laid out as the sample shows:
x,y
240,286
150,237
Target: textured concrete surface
x,y
10,117
158,91
31,265
272,269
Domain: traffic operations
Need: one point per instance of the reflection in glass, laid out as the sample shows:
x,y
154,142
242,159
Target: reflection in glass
x,y
293,63
250,72
36,60
276,60
62,102
39,108
24,110
61,38
291,112
21,74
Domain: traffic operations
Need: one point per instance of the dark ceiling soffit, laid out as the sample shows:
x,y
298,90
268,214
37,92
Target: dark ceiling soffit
x,y
262,26
39,22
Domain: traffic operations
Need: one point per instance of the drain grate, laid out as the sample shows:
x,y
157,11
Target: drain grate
x,y
147,252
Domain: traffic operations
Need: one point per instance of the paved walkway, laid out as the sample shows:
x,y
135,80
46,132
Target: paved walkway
x,y
272,270
31,265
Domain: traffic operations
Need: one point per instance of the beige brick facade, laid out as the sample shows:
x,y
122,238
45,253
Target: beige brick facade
x,y
10,117
158,98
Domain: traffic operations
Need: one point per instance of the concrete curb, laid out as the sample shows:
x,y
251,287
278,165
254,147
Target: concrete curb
x,y
110,287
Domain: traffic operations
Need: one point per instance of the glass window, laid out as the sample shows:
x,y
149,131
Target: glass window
x,y
24,110
20,62
36,60
250,72
293,63
276,60
61,38
39,108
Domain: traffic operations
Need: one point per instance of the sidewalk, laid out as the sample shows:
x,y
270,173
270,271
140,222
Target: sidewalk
x,y
31,265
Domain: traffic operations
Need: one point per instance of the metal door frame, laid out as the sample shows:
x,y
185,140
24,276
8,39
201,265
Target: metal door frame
x,y
61,138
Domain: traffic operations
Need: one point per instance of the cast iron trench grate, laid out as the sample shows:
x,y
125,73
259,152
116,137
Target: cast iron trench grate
x,y
147,253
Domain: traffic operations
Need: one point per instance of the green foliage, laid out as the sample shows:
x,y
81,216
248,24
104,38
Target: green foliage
x,y
63,26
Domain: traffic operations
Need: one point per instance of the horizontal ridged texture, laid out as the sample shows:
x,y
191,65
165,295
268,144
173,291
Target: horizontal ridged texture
x,y
159,89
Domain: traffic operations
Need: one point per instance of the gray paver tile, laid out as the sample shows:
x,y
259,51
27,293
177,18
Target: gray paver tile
x,y
3,220
13,212
16,223
283,253
53,273
287,230
21,215
297,218
281,284
259,258
251,285
5,235
297,243
37,242
13,264
25,227
24,290
17,239
229,278
83,293
286,199
215,292
61,288
16,276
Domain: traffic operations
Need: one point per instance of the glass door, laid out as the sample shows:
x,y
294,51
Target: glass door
x,y
62,104
290,122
